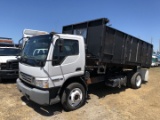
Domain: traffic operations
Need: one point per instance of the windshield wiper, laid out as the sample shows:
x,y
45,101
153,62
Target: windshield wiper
x,y
38,61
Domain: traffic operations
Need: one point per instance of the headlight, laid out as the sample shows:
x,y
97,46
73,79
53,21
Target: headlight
x,y
42,83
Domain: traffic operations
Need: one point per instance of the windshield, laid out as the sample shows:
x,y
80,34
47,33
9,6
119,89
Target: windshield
x,y
9,51
36,50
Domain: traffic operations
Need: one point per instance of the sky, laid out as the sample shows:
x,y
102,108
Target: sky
x,y
140,18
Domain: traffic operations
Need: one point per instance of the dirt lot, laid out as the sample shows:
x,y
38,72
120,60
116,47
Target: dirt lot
x,y
103,103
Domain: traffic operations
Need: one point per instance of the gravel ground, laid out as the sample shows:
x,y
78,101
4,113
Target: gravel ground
x,y
103,103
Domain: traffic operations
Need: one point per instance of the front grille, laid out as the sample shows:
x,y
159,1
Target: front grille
x,y
3,66
13,65
26,77
10,65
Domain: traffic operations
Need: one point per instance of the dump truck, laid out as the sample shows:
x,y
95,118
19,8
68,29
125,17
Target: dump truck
x,y
8,59
27,33
85,53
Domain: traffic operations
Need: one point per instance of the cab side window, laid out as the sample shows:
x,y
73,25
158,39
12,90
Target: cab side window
x,y
68,48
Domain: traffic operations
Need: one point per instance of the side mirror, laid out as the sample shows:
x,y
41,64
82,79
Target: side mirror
x,y
23,41
61,45
20,43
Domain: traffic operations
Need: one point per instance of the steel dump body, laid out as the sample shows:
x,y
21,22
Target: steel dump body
x,y
107,45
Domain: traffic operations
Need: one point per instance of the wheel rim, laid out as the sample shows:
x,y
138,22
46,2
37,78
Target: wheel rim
x,y
138,80
75,97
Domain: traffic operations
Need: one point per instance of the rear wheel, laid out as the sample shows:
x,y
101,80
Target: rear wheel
x,y
73,96
0,80
136,80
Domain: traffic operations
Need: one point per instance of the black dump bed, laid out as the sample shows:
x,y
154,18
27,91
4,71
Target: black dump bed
x,y
112,46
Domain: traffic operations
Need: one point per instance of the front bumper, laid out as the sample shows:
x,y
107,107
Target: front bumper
x,y
8,74
42,97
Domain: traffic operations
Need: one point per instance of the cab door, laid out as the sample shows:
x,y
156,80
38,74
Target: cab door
x,y
66,61
54,68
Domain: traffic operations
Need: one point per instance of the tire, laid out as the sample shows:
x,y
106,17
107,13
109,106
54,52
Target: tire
x,y
73,97
0,80
136,80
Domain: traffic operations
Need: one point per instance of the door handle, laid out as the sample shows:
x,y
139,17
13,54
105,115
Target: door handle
x,y
78,69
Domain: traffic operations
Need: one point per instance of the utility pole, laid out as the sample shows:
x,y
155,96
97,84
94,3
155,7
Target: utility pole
x,y
159,45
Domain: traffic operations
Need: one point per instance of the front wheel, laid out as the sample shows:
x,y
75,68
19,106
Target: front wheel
x,y
136,80
73,96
